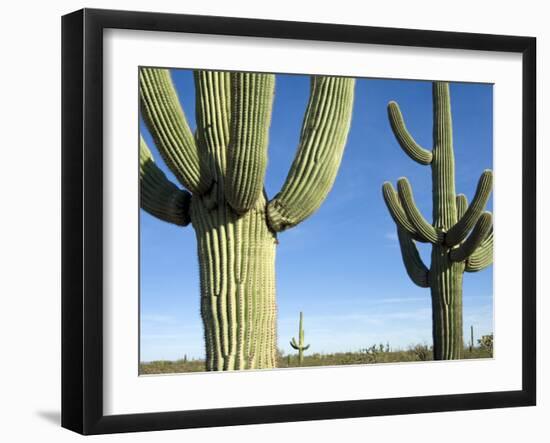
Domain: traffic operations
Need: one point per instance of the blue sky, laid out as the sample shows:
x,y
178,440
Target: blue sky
x,y
342,267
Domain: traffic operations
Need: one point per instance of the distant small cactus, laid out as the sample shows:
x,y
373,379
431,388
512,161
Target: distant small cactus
x,y
421,352
486,342
300,347
372,353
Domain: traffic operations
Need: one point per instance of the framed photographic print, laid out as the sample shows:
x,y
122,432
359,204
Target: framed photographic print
x,y
273,221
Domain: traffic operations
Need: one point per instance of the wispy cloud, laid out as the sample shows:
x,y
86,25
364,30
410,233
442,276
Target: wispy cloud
x,y
417,314
391,239
375,317
162,337
401,299
158,318
370,299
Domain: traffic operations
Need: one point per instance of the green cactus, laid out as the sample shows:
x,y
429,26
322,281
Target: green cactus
x,y
222,166
461,235
300,346
486,342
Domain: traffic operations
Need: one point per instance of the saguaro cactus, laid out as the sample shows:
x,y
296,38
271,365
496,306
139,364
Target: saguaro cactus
x,y
222,166
461,235
300,346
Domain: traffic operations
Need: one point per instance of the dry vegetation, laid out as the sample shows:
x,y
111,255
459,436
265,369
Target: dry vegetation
x,y
374,354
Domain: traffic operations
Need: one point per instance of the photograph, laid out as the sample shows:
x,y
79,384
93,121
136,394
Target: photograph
x,y
303,220
279,220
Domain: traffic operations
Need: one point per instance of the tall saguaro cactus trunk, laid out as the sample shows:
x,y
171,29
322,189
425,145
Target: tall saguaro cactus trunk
x,y
461,235
222,166
237,277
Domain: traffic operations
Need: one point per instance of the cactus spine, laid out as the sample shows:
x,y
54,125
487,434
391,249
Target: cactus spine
x,y
222,166
461,235
300,346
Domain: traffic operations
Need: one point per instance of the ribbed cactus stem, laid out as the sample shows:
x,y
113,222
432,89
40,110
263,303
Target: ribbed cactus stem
x,y
300,345
237,277
322,140
168,126
416,269
480,232
160,197
405,139
467,221
213,98
446,289
461,235
461,207
247,152
424,229
398,213
443,163
482,257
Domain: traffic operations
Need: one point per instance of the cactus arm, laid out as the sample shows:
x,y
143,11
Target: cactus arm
x,y
465,223
405,139
294,344
461,205
397,213
305,348
322,140
416,269
251,103
479,233
212,98
166,121
158,195
424,229
482,257
443,164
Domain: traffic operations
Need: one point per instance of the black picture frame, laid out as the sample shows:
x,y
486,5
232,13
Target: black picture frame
x,y
82,218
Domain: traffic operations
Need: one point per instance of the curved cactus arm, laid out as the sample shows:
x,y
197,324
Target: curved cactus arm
x,y
479,233
396,211
461,205
158,195
251,103
166,121
297,346
424,229
322,140
405,139
465,224
416,269
482,257
212,98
